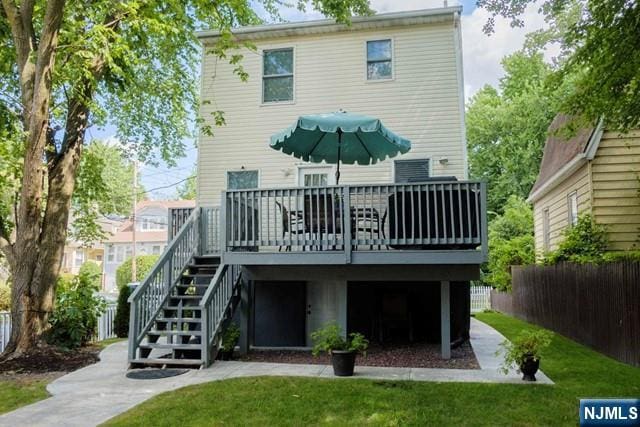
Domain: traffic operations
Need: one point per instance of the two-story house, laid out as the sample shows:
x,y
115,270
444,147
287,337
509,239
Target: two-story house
x,y
151,222
389,252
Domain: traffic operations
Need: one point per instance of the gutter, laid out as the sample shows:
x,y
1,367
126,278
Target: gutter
x,y
330,25
569,168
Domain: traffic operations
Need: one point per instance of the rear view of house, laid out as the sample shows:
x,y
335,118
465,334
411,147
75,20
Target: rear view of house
x,y
594,172
389,252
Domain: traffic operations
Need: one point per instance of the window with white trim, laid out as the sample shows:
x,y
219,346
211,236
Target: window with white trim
x,y
414,170
111,253
572,205
277,75
379,60
78,258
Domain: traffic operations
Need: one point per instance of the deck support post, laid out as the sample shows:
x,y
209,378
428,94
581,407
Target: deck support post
x,y
245,312
445,320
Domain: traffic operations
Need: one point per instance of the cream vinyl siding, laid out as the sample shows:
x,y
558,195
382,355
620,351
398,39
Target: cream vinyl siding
x,y
616,199
557,202
422,103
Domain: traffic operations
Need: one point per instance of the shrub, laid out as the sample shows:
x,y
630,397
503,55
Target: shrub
x,y
92,270
5,296
511,242
329,338
528,344
585,242
621,256
230,337
75,316
144,264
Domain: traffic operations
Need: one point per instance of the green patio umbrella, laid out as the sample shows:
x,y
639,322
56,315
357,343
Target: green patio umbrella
x,y
339,137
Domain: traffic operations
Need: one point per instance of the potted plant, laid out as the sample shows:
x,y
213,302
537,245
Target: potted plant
x,y
229,339
524,353
343,351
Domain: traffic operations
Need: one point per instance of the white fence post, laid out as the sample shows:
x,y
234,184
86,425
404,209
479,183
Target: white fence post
x,y
105,326
5,329
480,298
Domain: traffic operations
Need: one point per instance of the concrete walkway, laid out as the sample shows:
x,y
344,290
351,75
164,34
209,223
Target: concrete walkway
x,y
94,394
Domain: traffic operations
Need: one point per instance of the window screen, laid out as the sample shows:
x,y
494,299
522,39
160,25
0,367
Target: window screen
x,y
379,57
242,180
572,202
277,75
411,170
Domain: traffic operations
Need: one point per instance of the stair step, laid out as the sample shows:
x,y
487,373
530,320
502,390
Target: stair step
x,y
187,297
172,346
204,266
179,319
195,285
168,362
182,307
175,333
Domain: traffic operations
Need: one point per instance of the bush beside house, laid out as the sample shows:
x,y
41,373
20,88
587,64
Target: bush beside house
x,y
144,264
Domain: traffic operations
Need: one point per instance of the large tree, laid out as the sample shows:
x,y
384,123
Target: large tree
x,y
601,46
65,66
507,127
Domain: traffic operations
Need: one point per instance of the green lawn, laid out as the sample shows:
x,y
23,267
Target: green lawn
x,y
577,371
17,393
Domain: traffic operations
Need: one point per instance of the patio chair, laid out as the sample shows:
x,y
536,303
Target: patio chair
x,y
367,221
292,223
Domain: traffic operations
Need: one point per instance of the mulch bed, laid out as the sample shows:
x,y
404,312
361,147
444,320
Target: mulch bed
x,y
48,362
416,355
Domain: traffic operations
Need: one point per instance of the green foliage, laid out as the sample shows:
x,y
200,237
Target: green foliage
x,y
121,320
188,190
75,317
92,271
5,296
599,43
627,256
329,338
507,127
511,242
144,264
585,242
230,337
528,344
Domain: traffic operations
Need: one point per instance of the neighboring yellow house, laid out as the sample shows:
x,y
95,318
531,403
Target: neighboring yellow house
x,y
597,171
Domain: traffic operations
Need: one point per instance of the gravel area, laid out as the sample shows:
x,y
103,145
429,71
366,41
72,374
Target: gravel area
x,y
417,355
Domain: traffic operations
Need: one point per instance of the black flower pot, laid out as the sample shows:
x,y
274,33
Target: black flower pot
x,y
343,362
226,355
529,368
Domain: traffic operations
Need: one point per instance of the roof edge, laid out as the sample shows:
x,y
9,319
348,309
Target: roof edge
x,y
572,166
328,25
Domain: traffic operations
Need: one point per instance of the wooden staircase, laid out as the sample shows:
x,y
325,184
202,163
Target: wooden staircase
x,y
178,313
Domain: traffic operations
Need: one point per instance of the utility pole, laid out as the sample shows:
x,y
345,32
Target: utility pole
x,y
133,219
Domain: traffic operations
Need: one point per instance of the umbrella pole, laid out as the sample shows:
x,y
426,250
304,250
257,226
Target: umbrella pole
x,y
338,163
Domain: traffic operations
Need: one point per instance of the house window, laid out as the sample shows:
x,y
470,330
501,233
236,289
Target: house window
x,y
120,253
111,253
242,180
128,252
316,179
572,202
277,75
546,231
411,170
78,258
152,223
155,250
379,60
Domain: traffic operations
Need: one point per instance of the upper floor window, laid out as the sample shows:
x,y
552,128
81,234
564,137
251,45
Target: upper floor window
x,y
379,60
546,230
242,180
572,204
277,75
415,170
152,223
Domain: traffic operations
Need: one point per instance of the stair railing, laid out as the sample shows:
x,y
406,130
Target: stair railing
x,y
216,306
149,297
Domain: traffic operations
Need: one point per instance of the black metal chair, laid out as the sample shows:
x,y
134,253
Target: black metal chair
x,y
367,221
292,223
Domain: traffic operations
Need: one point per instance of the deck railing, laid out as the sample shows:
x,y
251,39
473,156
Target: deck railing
x,y
148,298
216,306
420,216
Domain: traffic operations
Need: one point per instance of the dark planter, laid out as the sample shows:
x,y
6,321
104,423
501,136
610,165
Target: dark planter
x,y
343,362
529,368
226,355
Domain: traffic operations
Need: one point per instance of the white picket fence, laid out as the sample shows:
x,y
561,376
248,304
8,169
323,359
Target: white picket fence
x,y
480,300
105,326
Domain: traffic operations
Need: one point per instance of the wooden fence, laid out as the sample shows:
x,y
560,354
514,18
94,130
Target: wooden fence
x,y
104,331
595,305
480,298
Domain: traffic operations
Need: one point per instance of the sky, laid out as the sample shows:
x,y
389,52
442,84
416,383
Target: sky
x,y
481,61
